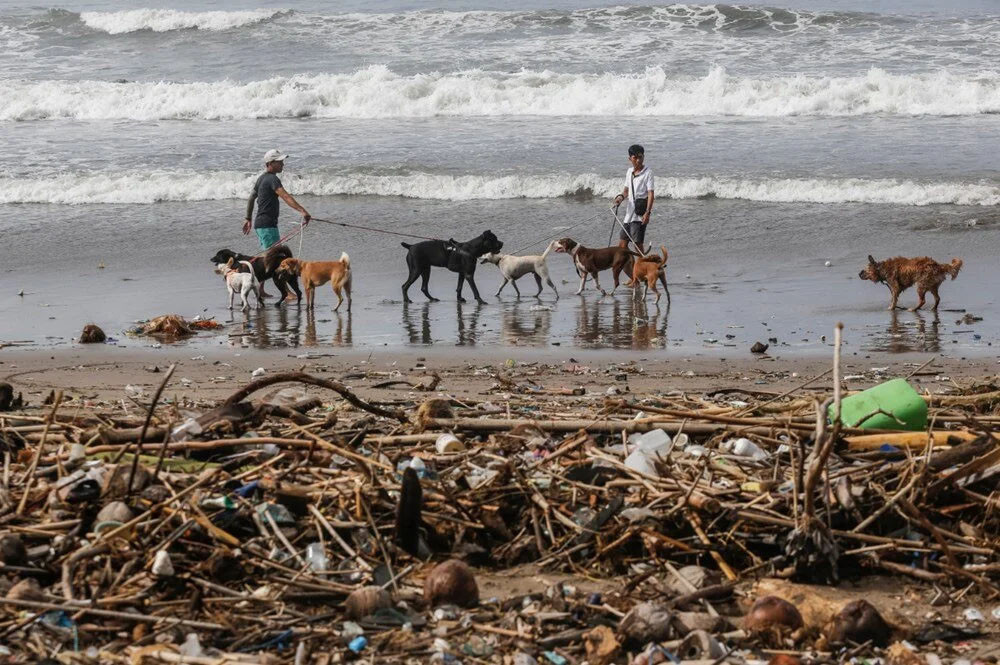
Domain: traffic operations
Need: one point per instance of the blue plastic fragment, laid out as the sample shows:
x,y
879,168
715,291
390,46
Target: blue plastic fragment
x,y
248,489
554,658
594,599
358,644
887,448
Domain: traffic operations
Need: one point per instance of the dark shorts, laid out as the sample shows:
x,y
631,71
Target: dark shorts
x,y
635,229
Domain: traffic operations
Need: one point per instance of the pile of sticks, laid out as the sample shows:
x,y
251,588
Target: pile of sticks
x,y
238,536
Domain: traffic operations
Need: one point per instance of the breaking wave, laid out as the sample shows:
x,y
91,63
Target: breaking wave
x,y
159,186
165,20
377,92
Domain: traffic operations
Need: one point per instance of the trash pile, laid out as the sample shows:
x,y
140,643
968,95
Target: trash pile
x,y
297,522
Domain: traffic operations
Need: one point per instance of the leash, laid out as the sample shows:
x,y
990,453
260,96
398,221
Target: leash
x,y
557,233
283,239
614,211
371,228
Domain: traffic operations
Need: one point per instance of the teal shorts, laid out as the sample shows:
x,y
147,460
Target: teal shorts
x,y
268,237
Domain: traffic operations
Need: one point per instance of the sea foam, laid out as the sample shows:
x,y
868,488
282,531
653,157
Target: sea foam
x,y
152,187
377,92
165,20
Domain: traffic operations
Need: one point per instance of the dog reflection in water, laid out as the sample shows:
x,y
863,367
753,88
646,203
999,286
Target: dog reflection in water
x,y
908,333
419,329
527,325
630,324
341,330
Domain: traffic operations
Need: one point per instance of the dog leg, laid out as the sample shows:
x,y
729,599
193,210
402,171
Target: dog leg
x,y
538,281
597,282
475,289
583,280
663,280
543,270
340,298
497,294
347,288
425,277
937,298
894,291
513,283
461,284
921,292
232,294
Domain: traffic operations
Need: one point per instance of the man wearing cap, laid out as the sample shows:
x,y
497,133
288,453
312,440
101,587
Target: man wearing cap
x,y
266,192
639,192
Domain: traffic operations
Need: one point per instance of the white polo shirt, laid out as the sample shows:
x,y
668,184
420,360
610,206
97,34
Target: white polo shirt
x,y
640,185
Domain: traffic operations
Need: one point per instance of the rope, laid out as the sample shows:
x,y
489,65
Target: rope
x,y
558,233
370,228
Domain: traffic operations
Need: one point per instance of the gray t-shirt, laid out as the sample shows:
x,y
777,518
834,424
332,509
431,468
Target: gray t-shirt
x,y
267,201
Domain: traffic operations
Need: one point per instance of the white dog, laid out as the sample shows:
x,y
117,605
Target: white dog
x,y
514,267
239,282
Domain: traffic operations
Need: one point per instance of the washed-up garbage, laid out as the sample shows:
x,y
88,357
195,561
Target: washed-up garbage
x,y
893,405
371,535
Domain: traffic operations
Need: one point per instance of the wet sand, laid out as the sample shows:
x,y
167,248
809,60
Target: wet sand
x,y
101,373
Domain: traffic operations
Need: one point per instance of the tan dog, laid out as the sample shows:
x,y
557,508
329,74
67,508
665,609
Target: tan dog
x,y
901,273
650,269
318,273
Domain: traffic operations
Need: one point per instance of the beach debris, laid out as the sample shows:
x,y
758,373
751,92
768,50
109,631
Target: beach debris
x,y
759,347
892,405
859,622
12,550
451,583
366,601
8,400
297,517
172,326
771,612
92,334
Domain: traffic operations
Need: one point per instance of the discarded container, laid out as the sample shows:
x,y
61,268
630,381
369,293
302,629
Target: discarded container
x,y
896,397
316,557
744,448
448,443
649,447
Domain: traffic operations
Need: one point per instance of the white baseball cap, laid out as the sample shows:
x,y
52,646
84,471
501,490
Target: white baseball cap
x,y
274,156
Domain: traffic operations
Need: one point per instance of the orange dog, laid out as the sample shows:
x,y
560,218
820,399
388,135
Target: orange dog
x,y
318,273
901,273
649,269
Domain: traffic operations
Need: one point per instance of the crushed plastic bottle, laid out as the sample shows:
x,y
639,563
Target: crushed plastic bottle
x,y
973,614
649,447
316,557
191,648
743,447
188,428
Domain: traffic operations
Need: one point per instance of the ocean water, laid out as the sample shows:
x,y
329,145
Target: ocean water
x,y
783,137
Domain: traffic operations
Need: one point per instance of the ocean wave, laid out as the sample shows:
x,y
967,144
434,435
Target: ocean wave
x,y
166,20
158,186
377,92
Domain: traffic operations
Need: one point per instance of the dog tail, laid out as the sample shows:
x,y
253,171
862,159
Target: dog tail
x,y
253,275
954,267
345,259
406,245
548,249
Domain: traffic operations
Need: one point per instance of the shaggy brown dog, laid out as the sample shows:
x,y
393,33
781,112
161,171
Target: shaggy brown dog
x,y
318,273
649,269
901,273
589,261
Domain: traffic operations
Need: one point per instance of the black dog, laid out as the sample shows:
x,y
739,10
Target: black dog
x,y
460,257
264,267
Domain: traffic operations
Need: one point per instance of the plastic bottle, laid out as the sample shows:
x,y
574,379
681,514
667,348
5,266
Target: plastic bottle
x,y
188,428
745,448
448,443
896,397
316,557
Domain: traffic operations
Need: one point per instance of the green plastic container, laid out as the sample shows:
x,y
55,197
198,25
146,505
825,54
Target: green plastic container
x,y
896,397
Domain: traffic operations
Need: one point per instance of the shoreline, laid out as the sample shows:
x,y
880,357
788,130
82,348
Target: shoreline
x,y
102,374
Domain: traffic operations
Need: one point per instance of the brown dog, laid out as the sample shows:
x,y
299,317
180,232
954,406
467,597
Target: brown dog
x,y
318,273
589,261
901,273
650,269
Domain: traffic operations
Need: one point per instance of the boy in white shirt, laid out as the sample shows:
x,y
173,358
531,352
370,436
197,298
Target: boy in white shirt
x,y
639,192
